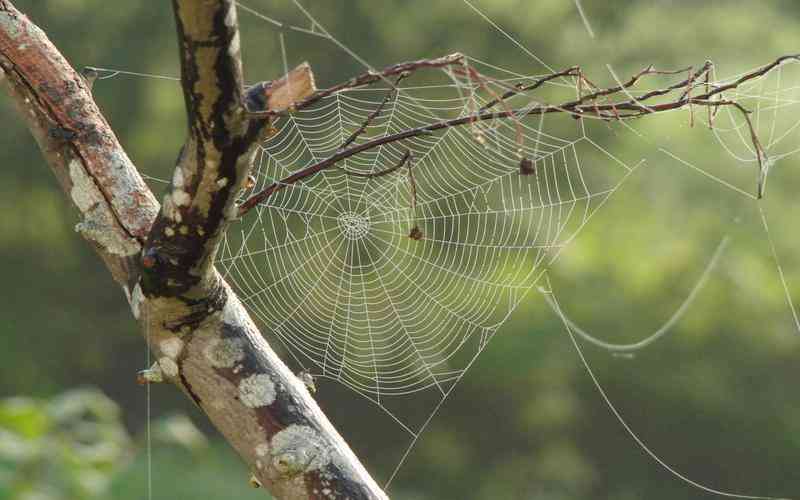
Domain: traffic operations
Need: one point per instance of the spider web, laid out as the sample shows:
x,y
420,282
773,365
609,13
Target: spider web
x,y
328,266
774,100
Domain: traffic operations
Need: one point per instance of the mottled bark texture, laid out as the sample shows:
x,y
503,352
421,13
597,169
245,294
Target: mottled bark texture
x,y
203,339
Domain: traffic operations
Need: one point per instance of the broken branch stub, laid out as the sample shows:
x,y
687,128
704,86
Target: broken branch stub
x,y
278,96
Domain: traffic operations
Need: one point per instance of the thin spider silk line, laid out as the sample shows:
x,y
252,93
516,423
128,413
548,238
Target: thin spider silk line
x,y
510,38
635,436
116,72
338,43
549,296
585,19
778,266
148,430
711,176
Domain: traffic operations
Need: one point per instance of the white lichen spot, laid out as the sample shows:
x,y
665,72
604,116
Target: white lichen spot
x,y
232,212
168,207
262,450
308,381
181,197
10,24
230,16
127,183
169,231
222,182
99,228
135,300
98,225
257,390
168,367
224,353
233,48
84,192
171,347
233,313
177,178
298,449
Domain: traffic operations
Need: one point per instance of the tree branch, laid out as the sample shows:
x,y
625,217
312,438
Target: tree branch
x,y
373,115
203,339
115,205
585,106
212,164
368,78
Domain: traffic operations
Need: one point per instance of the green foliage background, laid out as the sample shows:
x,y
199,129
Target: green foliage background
x,y
717,399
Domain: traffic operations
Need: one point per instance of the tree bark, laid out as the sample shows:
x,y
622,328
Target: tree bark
x,y
202,337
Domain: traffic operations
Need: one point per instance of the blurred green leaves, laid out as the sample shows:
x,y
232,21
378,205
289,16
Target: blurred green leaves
x,y
178,430
68,447
72,446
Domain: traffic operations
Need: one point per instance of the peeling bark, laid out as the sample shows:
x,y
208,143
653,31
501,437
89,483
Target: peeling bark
x,y
202,337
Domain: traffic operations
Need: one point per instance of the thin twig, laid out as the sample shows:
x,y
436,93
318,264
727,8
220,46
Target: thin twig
x,y
483,83
415,233
373,175
368,78
372,116
521,89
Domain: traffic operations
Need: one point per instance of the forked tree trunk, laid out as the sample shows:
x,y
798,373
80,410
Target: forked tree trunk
x,y
162,256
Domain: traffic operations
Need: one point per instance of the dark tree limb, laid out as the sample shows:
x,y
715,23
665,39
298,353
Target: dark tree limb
x,y
214,161
203,339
